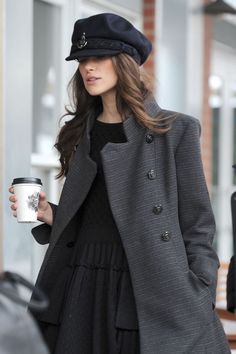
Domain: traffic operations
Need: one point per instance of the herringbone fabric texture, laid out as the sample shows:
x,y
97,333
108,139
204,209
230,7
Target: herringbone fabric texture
x,y
172,264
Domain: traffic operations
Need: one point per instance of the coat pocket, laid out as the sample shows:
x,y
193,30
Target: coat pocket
x,y
199,283
126,314
203,293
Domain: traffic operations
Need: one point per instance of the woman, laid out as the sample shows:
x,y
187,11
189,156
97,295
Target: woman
x,y
130,267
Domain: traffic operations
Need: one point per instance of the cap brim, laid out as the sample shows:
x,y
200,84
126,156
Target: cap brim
x,y
85,53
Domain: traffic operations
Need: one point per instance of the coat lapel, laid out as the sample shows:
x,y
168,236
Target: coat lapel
x,y
83,169
77,184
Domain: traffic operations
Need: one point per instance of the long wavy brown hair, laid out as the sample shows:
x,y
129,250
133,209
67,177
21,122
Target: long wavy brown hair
x,y
133,86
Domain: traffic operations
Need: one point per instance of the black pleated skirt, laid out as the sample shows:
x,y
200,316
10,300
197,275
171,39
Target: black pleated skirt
x,y
99,313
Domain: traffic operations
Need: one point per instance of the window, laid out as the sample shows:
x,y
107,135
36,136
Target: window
x,y
46,76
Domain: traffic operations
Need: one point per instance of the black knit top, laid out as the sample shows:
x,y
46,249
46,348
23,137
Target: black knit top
x,y
95,213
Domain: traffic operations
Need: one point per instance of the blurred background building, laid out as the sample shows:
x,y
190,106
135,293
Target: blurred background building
x,y
194,66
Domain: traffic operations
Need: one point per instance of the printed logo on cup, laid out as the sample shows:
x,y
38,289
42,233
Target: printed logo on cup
x,y
33,201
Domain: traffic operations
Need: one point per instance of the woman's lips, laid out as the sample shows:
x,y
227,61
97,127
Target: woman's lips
x,y
92,80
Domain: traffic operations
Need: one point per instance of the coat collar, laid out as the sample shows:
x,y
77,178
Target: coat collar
x,y
151,106
131,125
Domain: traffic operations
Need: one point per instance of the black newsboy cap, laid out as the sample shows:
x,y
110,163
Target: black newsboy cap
x,y
108,34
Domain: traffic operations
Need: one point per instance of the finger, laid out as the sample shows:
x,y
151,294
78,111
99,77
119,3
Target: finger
x,y
14,214
12,199
14,206
11,189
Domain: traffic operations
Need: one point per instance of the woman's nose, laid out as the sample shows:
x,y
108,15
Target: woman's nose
x,y
90,65
89,68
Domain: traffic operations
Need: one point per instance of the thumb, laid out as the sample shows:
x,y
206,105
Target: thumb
x,y
42,200
42,197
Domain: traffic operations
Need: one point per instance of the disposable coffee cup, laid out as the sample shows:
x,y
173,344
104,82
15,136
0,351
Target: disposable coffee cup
x,y
27,191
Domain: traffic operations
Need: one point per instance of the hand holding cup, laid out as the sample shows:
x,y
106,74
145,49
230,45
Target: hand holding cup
x,y
29,204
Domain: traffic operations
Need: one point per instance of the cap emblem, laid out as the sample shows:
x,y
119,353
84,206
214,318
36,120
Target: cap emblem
x,y
82,42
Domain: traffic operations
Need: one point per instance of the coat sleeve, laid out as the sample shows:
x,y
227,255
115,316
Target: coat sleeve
x,y
195,213
42,232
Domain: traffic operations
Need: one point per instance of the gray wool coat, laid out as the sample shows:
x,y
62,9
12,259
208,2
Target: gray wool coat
x,y
160,203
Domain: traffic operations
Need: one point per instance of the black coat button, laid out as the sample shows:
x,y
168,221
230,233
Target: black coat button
x,y
151,174
149,138
70,244
166,236
157,209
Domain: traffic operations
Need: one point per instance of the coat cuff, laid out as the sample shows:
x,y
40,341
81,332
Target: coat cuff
x,y
42,233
